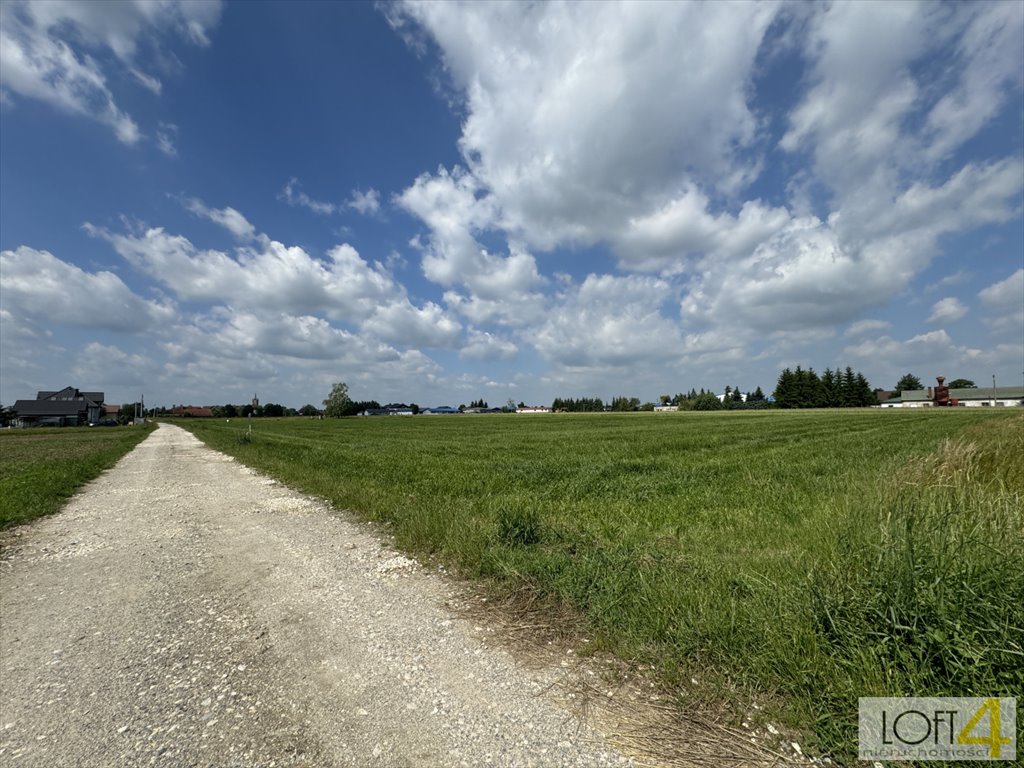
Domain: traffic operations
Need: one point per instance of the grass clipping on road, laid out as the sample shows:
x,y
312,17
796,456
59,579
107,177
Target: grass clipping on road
x,y
42,468
797,559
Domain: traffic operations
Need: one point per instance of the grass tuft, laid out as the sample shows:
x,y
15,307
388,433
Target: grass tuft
x,y
519,527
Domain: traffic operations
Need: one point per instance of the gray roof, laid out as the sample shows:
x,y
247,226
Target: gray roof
x,y
51,407
96,397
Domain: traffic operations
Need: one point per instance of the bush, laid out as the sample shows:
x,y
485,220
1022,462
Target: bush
x,y
707,402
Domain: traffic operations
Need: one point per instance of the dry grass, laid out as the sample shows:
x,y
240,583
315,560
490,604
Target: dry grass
x,y
620,699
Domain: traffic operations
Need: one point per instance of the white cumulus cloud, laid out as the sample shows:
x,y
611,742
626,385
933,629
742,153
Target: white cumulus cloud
x,y
947,310
367,202
1004,302
38,287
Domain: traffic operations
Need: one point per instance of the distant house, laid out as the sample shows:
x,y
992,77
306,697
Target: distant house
x,y
67,407
192,411
441,410
533,409
665,408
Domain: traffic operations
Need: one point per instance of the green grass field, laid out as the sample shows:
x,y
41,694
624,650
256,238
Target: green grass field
x,y
41,468
800,558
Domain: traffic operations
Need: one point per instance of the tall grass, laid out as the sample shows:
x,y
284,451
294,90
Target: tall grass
x,y
802,558
922,589
41,468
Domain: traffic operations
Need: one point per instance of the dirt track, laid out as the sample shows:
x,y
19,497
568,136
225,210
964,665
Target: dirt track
x,y
185,611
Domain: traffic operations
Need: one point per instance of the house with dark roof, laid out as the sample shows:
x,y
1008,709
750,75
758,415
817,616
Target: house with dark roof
x,y
67,407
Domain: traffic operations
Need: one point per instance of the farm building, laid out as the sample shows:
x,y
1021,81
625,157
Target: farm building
x,y
67,407
975,397
533,409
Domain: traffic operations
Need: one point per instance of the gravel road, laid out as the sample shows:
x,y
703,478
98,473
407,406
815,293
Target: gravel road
x,y
185,611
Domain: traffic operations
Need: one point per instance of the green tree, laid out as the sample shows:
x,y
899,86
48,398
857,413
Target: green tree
x,y
811,393
338,402
962,384
830,384
273,410
623,403
908,382
865,395
785,390
308,410
848,388
126,415
707,402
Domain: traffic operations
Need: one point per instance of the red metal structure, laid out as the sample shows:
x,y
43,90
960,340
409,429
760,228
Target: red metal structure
x,y
940,395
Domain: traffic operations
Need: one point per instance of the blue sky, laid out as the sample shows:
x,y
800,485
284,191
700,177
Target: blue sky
x,y
443,202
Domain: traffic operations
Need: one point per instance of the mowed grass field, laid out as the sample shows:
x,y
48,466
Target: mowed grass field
x,y
799,559
41,468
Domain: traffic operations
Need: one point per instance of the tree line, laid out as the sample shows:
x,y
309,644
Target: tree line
x,y
270,410
694,400
833,389
795,388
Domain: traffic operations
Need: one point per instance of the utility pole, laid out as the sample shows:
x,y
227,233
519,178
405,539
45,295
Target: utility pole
x,y
993,390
